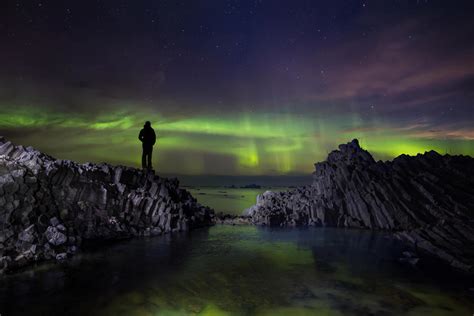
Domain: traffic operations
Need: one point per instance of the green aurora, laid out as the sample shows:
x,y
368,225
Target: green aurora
x,y
246,143
237,88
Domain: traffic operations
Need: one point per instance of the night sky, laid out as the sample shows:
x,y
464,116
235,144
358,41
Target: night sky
x,y
237,87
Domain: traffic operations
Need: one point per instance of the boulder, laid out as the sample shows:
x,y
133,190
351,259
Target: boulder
x,y
54,236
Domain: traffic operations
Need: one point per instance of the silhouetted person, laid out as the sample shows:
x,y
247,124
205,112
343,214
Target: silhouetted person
x,y
148,138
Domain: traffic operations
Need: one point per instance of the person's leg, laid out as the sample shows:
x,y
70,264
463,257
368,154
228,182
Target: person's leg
x,y
149,158
144,158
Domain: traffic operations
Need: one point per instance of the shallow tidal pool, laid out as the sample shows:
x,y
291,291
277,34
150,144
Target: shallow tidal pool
x,y
240,270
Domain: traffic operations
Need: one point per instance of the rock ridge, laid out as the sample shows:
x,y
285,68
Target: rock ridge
x,y
427,200
49,207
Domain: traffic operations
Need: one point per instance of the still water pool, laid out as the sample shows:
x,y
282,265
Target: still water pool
x,y
240,270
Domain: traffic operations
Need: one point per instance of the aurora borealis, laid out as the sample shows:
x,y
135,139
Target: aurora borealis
x,y
237,87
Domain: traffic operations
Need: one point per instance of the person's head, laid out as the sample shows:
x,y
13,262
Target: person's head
x,y
147,124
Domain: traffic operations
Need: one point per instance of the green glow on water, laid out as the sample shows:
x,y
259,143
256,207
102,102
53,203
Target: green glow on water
x,y
235,272
228,200
238,270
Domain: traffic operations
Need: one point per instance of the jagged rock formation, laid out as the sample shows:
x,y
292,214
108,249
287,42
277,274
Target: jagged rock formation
x,y
427,200
49,207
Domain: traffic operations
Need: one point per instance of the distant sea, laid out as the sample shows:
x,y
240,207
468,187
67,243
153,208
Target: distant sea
x,y
228,194
239,181
229,200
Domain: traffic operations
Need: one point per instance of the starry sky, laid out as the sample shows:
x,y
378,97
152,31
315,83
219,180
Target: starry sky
x,y
263,87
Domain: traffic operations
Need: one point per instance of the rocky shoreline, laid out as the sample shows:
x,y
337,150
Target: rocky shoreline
x,y
426,200
49,207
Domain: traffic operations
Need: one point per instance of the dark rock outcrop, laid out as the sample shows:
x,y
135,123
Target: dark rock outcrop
x,y
229,219
49,207
427,200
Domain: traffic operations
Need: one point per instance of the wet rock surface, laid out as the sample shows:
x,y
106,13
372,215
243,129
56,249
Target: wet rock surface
x,y
49,207
427,200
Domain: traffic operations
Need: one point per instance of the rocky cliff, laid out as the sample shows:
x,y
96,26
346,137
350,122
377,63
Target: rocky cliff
x,y
49,207
427,200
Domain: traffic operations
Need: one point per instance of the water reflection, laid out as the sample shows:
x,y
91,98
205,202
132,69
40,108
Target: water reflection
x,y
228,270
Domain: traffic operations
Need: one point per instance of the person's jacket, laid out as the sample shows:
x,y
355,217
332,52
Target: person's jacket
x,y
147,136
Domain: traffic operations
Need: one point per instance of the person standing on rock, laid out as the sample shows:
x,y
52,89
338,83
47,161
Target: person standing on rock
x,y
148,138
